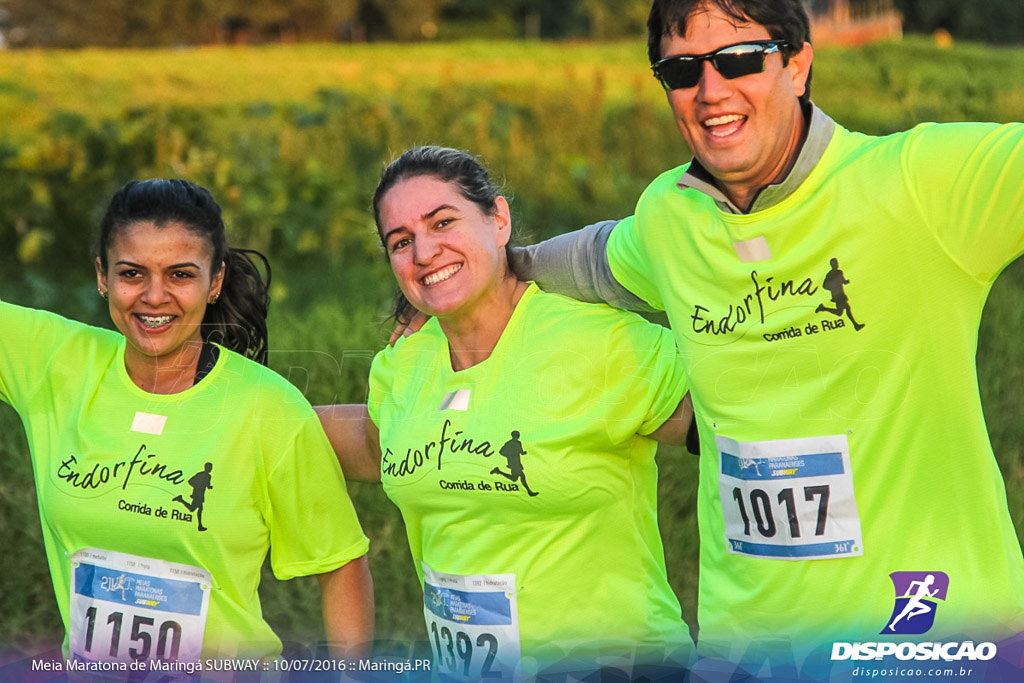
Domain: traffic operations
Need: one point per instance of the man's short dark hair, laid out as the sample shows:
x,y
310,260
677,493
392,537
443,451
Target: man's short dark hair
x,y
785,20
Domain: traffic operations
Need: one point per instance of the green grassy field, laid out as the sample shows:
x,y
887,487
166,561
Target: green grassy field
x,y
291,139
923,83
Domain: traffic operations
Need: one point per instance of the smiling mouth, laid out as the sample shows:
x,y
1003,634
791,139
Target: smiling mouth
x,y
155,321
441,275
720,126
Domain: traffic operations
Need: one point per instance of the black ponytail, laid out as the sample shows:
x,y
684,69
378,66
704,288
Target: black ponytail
x,y
238,319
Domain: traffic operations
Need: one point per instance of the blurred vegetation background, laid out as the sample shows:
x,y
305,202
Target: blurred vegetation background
x,y
120,23
291,139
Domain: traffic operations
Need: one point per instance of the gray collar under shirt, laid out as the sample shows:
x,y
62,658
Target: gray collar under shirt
x,y
818,135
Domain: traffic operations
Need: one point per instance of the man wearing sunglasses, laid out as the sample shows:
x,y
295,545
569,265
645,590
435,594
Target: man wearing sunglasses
x,y
842,459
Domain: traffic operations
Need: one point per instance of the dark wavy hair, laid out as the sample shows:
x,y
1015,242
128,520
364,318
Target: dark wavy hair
x,y
238,320
463,170
784,19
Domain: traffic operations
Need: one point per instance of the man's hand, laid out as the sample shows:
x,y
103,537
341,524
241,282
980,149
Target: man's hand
x,y
674,429
409,325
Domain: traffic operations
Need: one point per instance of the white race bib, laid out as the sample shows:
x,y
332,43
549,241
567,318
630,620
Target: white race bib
x,y
472,624
126,608
790,499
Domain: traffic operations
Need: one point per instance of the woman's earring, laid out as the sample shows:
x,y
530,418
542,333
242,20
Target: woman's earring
x,y
102,293
213,299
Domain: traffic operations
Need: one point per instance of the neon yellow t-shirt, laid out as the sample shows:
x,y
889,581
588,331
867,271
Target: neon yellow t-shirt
x,y
834,380
529,472
135,475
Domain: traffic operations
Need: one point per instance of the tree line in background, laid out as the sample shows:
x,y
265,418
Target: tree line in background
x,y
992,21
144,23
110,23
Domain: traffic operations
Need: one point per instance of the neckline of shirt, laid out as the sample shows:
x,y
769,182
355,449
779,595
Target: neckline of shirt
x,y
819,134
510,329
196,387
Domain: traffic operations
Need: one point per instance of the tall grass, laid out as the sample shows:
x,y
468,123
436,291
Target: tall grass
x,y
905,82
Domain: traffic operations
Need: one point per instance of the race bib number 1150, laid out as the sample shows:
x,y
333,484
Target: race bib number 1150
x,y
790,499
125,608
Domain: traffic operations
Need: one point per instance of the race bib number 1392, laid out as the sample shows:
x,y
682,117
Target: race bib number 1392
x,y
472,624
790,499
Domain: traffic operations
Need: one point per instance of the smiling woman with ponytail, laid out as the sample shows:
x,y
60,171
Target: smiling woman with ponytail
x,y
167,461
236,314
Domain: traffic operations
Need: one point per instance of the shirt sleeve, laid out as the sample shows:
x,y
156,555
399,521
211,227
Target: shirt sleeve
x,y
28,340
629,264
381,376
968,179
645,373
313,526
576,265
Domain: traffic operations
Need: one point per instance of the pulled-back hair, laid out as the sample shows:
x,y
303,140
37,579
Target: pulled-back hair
x,y
461,169
784,19
238,319
449,165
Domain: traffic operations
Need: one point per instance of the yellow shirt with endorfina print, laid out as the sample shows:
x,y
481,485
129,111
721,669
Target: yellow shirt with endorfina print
x,y
534,463
842,357
210,478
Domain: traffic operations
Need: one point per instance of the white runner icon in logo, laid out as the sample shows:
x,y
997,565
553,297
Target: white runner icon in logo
x,y
916,605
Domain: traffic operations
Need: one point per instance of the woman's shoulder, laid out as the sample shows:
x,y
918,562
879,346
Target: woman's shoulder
x,y
415,356
46,328
554,313
259,388
424,343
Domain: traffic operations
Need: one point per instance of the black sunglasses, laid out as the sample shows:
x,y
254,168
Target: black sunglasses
x,y
732,61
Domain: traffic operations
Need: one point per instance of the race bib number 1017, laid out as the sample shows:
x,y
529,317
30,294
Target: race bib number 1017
x,y
790,499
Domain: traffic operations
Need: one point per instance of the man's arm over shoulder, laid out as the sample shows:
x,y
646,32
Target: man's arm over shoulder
x,y
576,264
